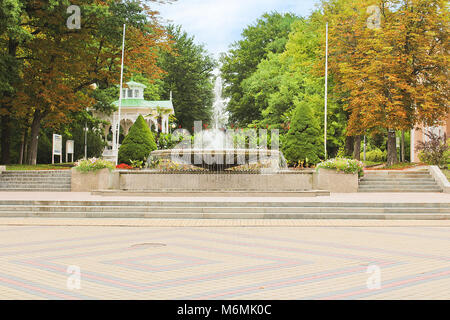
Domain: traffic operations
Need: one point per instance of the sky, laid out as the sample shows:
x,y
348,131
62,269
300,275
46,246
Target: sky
x,y
218,23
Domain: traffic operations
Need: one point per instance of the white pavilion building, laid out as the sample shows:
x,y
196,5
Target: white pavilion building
x,y
134,105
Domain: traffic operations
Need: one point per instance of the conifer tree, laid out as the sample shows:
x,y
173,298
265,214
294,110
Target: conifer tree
x,y
138,144
303,141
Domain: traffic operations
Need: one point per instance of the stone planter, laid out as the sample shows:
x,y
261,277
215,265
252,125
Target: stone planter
x,y
90,181
337,182
2,168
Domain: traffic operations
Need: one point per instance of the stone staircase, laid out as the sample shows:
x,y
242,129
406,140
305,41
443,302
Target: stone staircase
x,y
398,181
39,180
222,209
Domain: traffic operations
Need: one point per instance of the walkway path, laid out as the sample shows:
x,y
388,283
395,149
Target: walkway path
x,y
163,260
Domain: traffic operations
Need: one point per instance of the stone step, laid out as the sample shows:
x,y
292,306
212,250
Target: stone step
x,y
396,172
34,190
397,183
405,186
398,179
167,215
129,209
400,190
399,186
183,193
217,203
411,176
35,175
394,181
40,178
32,183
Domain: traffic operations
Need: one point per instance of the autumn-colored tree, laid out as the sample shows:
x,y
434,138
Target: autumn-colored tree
x,y
394,76
61,64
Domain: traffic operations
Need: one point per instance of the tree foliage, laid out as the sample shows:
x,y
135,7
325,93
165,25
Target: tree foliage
x,y
189,76
58,65
268,35
138,144
394,77
303,140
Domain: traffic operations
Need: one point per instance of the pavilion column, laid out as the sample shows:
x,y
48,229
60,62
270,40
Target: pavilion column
x,y
106,131
114,131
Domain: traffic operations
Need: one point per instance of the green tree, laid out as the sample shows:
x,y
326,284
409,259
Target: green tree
x,y
297,74
303,142
12,33
268,35
189,76
138,144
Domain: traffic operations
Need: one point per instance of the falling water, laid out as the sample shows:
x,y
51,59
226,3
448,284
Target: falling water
x,y
215,138
220,115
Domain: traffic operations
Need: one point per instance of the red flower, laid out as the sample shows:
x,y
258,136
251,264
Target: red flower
x,y
123,166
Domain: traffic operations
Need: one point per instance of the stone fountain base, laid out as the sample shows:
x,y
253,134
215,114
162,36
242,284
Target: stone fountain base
x,y
207,184
220,160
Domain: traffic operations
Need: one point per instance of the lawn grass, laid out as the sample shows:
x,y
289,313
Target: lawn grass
x,y
26,167
401,165
371,163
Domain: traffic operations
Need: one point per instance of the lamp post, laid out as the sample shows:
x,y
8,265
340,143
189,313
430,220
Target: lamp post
x,y
326,94
120,98
85,139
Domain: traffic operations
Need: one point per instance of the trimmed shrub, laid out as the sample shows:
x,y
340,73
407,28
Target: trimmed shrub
x,y
138,144
303,142
375,155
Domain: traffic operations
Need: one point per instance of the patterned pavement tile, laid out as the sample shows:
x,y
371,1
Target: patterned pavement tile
x,y
160,260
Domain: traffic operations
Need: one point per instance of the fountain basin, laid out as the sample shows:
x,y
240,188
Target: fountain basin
x,y
221,160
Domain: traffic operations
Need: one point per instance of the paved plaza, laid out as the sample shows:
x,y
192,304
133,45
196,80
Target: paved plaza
x,y
223,259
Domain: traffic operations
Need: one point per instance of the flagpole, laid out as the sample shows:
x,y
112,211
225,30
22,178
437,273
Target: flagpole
x,y
326,94
120,98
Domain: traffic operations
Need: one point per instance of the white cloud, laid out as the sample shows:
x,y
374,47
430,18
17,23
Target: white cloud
x,y
218,23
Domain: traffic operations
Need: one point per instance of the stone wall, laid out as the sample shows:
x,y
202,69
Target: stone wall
x,y
329,180
90,181
138,181
337,182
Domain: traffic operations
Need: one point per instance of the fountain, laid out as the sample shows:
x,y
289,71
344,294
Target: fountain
x,y
219,163
215,149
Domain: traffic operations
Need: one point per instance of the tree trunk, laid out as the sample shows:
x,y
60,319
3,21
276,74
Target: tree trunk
x,y
22,148
35,128
357,148
349,146
403,147
391,148
25,150
6,137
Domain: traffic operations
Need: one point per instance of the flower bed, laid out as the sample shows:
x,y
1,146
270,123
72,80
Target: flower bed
x,y
343,165
124,166
93,164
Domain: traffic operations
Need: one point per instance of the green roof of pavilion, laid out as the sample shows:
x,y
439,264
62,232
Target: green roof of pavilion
x,y
141,103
